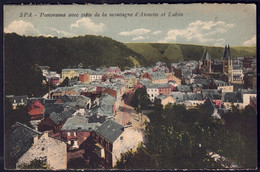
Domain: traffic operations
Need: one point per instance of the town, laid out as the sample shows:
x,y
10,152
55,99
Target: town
x,y
89,118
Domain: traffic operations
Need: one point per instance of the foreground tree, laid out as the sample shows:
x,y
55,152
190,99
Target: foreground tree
x,y
140,100
180,138
35,164
20,114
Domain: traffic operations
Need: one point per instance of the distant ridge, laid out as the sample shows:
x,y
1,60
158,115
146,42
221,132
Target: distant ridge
x,y
173,52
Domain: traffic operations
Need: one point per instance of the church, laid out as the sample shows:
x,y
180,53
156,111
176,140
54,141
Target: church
x,y
226,66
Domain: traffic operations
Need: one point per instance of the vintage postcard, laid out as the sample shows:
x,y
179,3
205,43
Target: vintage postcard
x,y
167,86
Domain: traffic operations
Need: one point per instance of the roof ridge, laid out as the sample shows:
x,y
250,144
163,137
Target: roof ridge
x,y
29,128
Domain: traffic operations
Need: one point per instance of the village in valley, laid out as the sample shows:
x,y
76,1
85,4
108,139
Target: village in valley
x,y
90,118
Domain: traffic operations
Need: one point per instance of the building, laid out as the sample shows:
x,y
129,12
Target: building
x,y
112,139
52,151
36,109
115,70
233,98
227,63
84,78
158,78
212,109
246,95
17,100
19,140
166,99
153,90
76,130
206,62
237,76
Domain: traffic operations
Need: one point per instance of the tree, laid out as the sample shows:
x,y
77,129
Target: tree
x,y
140,100
138,159
35,164
20,114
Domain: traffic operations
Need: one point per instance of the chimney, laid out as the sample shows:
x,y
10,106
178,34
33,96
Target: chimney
x,y
35,139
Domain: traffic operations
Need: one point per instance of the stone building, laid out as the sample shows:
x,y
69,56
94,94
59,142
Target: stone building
x,y
112,139
50,150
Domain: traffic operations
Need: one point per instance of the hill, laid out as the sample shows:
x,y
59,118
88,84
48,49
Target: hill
x,y
22,53
170,52
92,51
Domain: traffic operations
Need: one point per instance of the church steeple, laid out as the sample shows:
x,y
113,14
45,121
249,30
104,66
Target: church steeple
x,y
207,56
227,55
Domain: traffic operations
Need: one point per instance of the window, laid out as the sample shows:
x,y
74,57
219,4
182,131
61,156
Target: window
x,y
68,133
75,133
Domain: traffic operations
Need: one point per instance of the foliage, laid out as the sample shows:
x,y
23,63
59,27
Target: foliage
x,y
20,114
35,164
138,159
243,124
22,76
140,99
76,163
181,138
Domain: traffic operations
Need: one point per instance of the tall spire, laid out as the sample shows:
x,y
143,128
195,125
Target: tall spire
x,y
226,55
206,56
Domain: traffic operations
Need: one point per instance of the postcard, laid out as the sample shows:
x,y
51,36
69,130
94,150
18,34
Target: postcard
x,y
151,86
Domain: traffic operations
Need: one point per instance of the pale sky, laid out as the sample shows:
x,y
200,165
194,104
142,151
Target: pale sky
x,y
202,24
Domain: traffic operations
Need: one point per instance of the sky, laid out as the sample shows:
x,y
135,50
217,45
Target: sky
x,y
201,24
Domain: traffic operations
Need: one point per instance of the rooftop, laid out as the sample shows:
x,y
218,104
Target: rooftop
x,y
110,130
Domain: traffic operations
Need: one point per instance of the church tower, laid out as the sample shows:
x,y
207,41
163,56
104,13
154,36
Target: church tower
x,y
227,62
206,61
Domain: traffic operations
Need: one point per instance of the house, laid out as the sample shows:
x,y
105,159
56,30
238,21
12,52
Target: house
x,y
19,141
54,122
52,151
246,95
71,73
54,80
76,130
233,98
51,107
158,78
237,74
63,99
212,109
36,109
112,139
17,100
115,70
192,100
79,102
166,99
84,78
214,94
196,88
96,75
222,85
153,90
184,88
205,82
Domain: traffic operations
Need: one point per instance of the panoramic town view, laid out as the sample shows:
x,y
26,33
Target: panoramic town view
x,y
96,96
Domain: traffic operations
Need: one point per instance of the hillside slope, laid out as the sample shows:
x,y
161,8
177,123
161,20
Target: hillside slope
x,y
92,51
169,52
